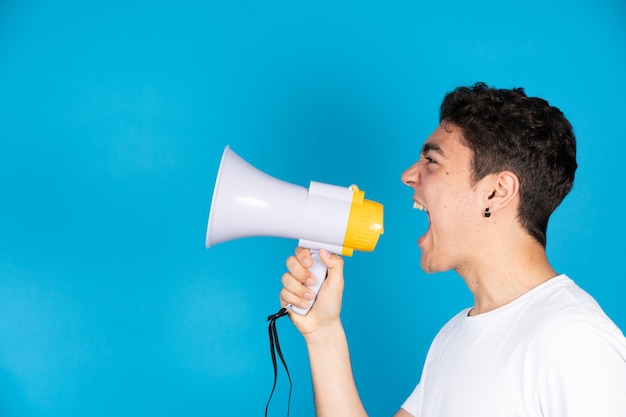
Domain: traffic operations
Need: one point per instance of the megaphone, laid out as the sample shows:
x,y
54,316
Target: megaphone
x,y
247,202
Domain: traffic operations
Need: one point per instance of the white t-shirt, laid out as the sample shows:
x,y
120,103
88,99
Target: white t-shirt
x,y
551,352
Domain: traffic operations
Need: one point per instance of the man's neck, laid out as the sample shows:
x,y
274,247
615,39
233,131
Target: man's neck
x,y
510,273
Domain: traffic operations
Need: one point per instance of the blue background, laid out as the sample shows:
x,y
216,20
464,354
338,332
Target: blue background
x,y
113,119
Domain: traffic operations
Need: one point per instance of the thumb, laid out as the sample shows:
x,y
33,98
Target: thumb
x,y
334,263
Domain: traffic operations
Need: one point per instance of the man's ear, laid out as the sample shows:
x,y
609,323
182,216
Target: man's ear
x,y
505,190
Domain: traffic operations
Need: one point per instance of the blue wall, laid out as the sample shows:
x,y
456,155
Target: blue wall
x,y
113,118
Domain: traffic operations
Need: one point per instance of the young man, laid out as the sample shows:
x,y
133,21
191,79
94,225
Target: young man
x,y
534,343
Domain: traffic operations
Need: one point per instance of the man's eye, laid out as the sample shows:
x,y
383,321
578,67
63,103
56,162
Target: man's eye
x,y
428,159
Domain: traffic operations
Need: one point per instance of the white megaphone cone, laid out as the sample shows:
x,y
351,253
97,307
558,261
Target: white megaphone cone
x,y
247,202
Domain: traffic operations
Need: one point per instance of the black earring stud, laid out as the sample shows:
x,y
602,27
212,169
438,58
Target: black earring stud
x,y
487,214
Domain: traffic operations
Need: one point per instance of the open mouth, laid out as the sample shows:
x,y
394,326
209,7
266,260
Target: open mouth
x,y
419,206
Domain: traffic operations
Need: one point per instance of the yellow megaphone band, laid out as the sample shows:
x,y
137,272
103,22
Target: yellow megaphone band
x,y
365,224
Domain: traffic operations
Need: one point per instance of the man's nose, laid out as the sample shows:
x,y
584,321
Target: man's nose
x,y
410,177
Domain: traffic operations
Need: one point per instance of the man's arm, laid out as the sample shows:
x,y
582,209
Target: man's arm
x,y
333,381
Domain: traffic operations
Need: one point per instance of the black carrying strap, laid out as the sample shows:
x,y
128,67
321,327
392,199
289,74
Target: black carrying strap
x,y
274,349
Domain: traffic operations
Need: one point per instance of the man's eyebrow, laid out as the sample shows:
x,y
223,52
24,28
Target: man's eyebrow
x,y
431,147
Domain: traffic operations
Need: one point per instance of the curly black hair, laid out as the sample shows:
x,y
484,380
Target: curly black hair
x,y
507,130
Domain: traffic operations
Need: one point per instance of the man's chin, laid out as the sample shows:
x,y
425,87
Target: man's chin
x,y
427,266
430,266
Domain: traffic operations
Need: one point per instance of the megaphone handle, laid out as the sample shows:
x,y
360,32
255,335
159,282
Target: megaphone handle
x,y
319,270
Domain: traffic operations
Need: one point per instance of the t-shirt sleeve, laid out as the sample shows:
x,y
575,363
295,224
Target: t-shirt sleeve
x,y
412,403
585,374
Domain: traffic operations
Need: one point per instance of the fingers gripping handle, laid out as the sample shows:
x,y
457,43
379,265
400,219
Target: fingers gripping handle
x,y
319,270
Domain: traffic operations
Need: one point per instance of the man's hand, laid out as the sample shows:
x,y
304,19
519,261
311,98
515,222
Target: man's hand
x,y
326,309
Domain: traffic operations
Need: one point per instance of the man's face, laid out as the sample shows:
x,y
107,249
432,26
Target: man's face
x,y
441,183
